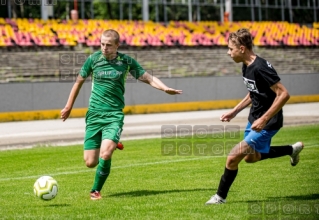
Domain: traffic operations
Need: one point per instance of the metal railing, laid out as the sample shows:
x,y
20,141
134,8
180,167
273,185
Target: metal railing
x,y
259,9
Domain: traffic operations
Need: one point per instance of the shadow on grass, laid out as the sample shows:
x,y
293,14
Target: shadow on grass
x,y
138,193
303,197
59,205
289,198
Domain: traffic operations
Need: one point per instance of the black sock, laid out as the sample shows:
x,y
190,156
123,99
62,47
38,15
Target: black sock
x,y
277,151
226,181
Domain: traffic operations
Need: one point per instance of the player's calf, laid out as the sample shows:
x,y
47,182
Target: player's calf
x,y
252,158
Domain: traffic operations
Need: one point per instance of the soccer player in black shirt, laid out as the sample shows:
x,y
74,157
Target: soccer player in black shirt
x,y
267,95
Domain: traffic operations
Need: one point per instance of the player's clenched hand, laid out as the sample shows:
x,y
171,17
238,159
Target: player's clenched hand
x,y
173,91
65,113
227,116
258,125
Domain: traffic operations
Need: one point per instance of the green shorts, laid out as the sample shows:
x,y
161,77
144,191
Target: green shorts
x,y
100,126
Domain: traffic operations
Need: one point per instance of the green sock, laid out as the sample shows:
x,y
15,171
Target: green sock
x,y
102,172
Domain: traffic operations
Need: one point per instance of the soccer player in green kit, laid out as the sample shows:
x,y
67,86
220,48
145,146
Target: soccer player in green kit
x,y
104,118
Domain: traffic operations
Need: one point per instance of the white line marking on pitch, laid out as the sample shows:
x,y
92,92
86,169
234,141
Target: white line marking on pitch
x,y
115,167
120,167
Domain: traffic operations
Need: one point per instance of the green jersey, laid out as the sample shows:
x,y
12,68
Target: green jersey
x,y
108,79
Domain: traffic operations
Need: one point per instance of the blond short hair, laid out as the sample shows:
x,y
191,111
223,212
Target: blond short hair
x,y
112,33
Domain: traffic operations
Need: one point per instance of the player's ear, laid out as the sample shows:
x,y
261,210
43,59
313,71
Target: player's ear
x,y
242,49
117,44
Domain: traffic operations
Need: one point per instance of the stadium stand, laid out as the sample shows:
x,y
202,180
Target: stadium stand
x,y
36,32
285,44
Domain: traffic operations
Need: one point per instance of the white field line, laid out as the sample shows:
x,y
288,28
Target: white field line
x,y
114,167
121,167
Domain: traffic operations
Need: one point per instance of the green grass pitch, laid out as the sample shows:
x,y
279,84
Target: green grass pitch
x,y
145,184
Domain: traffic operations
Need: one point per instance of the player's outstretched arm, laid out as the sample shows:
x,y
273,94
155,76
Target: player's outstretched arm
x,y
65,112
158,84
238,108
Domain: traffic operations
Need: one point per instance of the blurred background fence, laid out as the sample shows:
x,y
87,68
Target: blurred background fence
x,y
293,11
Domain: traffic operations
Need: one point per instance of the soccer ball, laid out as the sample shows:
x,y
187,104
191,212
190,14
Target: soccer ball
x,y
45,188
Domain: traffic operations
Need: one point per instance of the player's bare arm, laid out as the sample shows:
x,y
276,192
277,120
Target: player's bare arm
x,y
238,108
282,96
65,112
158,84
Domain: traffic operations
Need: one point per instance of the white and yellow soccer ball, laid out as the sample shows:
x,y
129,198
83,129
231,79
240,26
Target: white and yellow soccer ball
x,y
46,188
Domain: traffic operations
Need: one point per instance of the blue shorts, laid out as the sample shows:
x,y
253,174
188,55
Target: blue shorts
x,y
259,141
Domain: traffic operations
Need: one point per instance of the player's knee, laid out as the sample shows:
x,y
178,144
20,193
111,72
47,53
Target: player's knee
x,y
106,155
90,163
231,161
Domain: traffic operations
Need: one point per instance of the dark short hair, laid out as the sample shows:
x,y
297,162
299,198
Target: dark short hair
x,y
112,33
242,37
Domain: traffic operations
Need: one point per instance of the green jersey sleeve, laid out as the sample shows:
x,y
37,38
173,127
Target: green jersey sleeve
x,y
136,70
86,69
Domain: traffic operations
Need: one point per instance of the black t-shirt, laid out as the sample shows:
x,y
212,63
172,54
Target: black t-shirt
x,y
258,78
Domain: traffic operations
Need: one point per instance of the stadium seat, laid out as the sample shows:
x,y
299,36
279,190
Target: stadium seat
x,y
7,42
140,33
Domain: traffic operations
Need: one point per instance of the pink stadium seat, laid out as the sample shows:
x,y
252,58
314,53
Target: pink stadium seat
x,y
97,42
180,39
7,42
81,39
53,41
168,41
206,41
